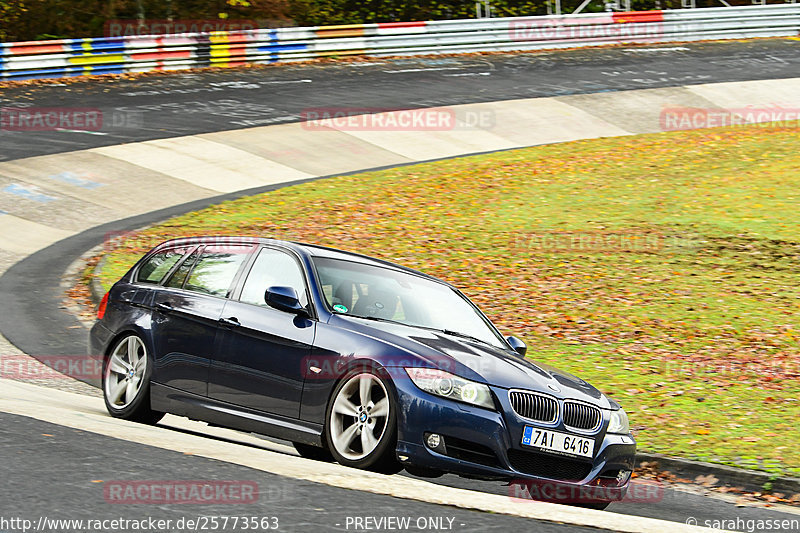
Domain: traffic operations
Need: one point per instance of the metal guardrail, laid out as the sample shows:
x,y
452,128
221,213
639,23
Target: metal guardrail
x,y
117,55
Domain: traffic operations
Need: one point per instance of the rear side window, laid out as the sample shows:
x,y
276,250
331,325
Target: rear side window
x,y
179,276
155,268
216,268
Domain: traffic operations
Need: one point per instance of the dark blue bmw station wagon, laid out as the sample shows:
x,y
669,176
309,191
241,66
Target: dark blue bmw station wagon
x,y
354,360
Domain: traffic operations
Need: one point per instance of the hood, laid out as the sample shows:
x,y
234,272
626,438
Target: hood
x,y
474,360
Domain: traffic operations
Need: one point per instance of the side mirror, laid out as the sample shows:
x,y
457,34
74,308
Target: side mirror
x,y
284,299
517,345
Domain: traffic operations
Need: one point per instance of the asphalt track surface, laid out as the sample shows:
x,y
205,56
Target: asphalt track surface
x,y
184,104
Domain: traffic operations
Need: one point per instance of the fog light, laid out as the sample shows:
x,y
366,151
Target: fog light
x,y
623,477
434,440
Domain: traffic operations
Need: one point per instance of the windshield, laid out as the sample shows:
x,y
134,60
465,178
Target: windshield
x,y
366,291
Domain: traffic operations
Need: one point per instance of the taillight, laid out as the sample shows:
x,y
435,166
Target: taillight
x,y
101,309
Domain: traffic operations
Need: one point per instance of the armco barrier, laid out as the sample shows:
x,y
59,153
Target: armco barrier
x,y
116,55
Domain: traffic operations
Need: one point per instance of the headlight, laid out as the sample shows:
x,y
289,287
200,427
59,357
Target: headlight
x,y
619,422
447,385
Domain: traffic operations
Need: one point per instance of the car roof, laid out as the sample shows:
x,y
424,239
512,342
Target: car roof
x,y
312,250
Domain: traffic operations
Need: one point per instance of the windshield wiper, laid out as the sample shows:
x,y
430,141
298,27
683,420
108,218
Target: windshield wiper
x,y
376,319
463,335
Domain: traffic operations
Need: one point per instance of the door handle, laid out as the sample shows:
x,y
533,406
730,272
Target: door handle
x,y
231,322
164,307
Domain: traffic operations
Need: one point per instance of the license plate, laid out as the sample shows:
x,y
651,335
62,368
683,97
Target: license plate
x,y
555,441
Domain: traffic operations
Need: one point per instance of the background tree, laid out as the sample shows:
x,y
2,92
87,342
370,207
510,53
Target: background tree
x,y
10,13
47,19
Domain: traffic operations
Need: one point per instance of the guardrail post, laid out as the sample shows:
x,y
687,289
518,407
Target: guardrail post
x,y
550,4
483,9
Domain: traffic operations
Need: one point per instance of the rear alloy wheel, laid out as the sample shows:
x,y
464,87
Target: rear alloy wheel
x,y
126,382
362,424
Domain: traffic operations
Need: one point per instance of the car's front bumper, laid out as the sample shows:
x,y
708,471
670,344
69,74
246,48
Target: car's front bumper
x,y
487,444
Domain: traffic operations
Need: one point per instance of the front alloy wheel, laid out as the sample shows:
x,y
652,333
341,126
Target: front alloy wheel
x,y
361,428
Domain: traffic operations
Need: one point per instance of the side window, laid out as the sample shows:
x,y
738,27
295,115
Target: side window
x,y
179,276
273,268
216,268
155,268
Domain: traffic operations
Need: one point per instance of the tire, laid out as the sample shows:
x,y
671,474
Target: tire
x,y
361,422
126,381
316,453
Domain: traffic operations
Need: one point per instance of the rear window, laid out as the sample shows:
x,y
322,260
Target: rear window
x,y
158,265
